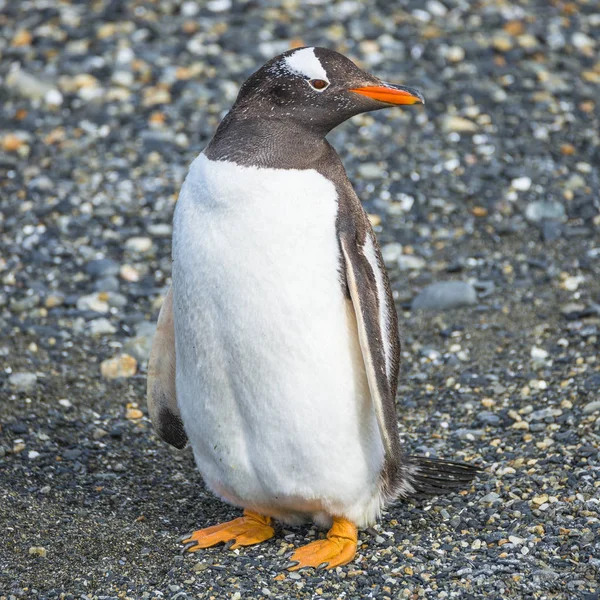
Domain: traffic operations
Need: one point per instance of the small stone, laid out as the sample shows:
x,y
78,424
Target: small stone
x,y
23,381
11,142
410,262
33,454
21,38
521,184
99,433
571,283
129,273
391,253
583,42
123,365
53,98
38,551
539,500
54,300
455,54
141,345
101,326
138,244
502,42
490,498
134,413
451,123
65,403
541,210
102,267
591,407
162,230
93,303
370,170
28,85
445,295
539,356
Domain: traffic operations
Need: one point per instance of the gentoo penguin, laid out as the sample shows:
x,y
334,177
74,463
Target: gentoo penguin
x,y
276,354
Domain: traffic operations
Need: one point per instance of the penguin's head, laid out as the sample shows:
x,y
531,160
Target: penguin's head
x,y
317,88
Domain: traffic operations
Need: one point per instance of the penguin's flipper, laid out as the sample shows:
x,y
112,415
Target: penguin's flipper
x,y
161,394
377,323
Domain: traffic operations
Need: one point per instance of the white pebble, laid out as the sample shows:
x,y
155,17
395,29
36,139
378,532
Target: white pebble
x,y
521,184
53,97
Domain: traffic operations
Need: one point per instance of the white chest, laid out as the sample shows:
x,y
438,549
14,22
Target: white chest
x,y
270,380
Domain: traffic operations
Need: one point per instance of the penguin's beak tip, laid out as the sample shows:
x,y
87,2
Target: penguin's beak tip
x,y
392,94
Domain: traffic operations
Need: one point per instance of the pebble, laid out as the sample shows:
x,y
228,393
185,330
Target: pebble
x,y
119,366
38,551
138,244
541,210
458,124
102,267
410,262
101,326
141,345
591,407
93,302
445,295
521,184
490,498
133,414
99,433
23,381
27,85
369,170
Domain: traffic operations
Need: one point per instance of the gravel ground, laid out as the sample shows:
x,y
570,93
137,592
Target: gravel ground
x,y
493,186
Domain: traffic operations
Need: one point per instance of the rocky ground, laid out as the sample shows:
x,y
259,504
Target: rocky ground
x,y
493,185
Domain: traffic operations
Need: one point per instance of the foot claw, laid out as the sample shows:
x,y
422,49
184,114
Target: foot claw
x,y
250,529
338,549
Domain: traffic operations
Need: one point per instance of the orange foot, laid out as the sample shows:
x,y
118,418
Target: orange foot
x,y
250,529
338,549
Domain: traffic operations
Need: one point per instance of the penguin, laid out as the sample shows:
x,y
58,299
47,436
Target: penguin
x,y
277,352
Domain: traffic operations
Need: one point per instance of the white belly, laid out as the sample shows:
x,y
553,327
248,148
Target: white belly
x,y
270,379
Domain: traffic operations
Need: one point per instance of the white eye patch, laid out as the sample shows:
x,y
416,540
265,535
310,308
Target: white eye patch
x,y
304,62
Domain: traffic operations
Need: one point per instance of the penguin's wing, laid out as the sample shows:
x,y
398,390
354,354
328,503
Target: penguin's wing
x,y
161,393
376,318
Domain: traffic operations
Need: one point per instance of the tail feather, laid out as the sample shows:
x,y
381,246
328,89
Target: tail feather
x,y
435,477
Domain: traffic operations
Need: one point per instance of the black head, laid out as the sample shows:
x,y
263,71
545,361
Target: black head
x,y
316,88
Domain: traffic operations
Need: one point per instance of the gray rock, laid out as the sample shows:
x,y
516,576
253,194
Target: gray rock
x,y
469,434
107,284
139,346
491,498
545,414
545,210
591,407
444,295
28,85
102,267
409,262
23,381
101,326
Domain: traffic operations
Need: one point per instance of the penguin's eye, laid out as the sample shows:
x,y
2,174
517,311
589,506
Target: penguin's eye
x,y
318,84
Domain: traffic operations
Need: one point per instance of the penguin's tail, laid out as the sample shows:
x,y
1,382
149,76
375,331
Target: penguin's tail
x,y
423,476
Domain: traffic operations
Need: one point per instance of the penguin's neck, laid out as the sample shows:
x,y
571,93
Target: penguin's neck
x,y
267,143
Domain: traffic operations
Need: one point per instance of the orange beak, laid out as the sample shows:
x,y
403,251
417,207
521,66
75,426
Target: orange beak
x,y
391,94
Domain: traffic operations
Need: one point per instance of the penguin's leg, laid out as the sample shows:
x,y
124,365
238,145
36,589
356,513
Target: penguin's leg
x,y
337,549
250,529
